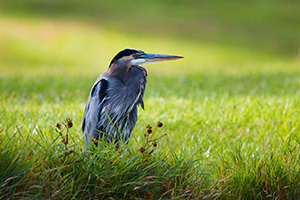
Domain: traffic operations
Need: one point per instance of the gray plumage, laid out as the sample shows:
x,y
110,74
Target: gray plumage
x,y
111,109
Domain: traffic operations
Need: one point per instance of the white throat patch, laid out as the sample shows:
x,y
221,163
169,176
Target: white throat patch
x,y
138,61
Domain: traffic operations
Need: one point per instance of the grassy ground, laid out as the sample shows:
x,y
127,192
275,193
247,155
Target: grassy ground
x,y
230,109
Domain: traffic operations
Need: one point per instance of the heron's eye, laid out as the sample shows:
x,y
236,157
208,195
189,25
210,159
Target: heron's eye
x,y
135,55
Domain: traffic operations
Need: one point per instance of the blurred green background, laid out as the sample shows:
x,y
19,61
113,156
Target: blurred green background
x,y
82,36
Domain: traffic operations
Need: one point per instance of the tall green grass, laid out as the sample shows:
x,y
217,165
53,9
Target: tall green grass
x,y
39,165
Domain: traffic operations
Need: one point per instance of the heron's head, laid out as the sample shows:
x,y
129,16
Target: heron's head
x,y
138,57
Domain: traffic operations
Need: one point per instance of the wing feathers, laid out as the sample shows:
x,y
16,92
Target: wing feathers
x,y
112,100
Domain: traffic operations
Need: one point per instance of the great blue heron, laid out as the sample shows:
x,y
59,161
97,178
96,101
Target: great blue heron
x,y
111,108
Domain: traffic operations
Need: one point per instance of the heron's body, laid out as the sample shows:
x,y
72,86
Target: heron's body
x,y
111,109
122,113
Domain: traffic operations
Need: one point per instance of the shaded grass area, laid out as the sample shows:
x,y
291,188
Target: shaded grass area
x,y
230,108
37,167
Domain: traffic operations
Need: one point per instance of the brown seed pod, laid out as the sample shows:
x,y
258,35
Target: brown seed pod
x,y
65,141
58,126
149,130
159,124
94,140
69,123
142,150
154,144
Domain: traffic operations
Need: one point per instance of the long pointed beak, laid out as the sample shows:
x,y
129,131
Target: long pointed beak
x,y
148,58
159,57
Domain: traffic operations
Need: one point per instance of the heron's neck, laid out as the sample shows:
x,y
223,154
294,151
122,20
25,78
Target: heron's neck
x,y
118,71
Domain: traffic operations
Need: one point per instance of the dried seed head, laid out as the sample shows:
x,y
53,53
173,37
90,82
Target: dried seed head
x,y
64,141
154,144
159,124
69,123
142,150
58,126
149,130
94,140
